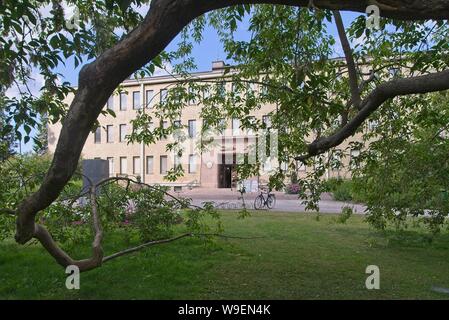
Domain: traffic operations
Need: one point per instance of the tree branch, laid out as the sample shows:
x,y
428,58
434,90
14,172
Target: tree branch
x,y
415,85
352,72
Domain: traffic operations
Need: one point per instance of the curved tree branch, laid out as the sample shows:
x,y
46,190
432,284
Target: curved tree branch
x,y
415,85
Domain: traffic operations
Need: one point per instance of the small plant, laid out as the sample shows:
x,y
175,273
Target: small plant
x,y
345,214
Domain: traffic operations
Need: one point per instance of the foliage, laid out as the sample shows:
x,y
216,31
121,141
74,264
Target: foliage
x,y
345,214
405,173
41,138
7,139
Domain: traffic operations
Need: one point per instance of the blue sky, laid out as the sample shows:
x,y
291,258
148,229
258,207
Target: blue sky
x,y
208,50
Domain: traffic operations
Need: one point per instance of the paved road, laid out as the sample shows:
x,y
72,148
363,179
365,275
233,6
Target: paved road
x,y
326,206
228,199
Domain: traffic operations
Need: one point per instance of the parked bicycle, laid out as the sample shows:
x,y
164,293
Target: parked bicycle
x,y
265,199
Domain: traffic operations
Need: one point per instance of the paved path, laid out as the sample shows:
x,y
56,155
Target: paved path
x,y
228,199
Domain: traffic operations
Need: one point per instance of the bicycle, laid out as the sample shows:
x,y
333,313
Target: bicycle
x,y
261,201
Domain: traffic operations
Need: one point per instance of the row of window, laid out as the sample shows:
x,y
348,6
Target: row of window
x,y
149,165
149,97
192,129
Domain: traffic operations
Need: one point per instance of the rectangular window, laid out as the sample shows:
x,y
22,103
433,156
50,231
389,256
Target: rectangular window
x,y
109,134
110,103
353,160
372,125
267,121
235,127
163,165
221,127
122,129
221,89
111,166
192,128
123,101
252,122
150,164
177,161
206,92
164,126
192,163
136,100
123,165
192,96
177,123
97,136
149,98
136,165
163,95
301,166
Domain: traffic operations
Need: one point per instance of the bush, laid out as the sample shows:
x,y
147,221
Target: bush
x,y
344,190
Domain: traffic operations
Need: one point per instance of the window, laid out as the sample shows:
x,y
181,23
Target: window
x,y
164,126
264,90
192,128
163,95
192,95
122,130
267,121
177,161
206,92
251,90
252,121
335,162
123,165
353,161
136,100
97,135
192,163
136,165
163,165
235,89
301,166
149,98
150,164
222,125
109,134
110,103
235,127
123,101
394,72
221,89
111,166
372,125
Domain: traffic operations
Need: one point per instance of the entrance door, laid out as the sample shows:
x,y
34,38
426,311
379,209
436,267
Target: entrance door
x,y
225,175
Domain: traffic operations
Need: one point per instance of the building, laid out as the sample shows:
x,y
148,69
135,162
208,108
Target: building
x,y
152,162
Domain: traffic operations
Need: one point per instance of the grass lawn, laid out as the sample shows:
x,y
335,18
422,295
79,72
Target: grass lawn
x,y
297,258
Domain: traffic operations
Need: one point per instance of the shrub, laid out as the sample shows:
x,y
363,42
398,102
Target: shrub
x,y
343,192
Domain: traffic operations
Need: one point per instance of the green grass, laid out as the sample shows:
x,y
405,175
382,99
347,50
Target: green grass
x,y
297,258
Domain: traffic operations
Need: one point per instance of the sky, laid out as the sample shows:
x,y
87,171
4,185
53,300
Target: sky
x,y
210,49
